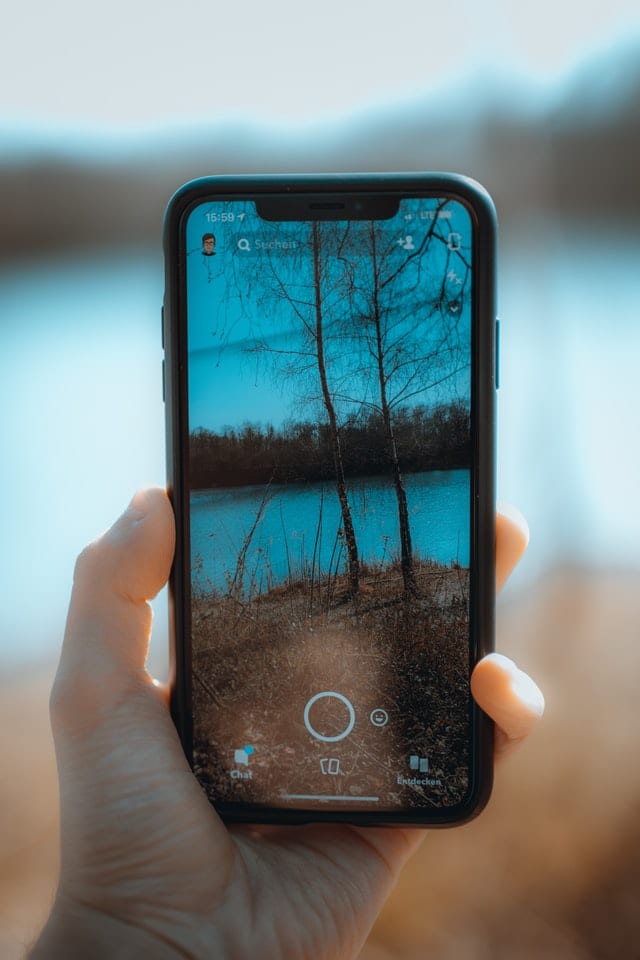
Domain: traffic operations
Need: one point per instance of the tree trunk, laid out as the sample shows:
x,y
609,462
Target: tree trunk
x,y
341,486
406,551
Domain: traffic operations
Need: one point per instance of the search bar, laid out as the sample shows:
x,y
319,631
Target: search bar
x,y
248,243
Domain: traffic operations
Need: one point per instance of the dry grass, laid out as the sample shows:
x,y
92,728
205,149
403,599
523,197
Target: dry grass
x,y
257,662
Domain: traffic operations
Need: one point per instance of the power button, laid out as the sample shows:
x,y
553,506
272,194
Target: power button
x,y
497,357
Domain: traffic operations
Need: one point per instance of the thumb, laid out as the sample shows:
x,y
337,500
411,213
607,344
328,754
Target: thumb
x,y
109,621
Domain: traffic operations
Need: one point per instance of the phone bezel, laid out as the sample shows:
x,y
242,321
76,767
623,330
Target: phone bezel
x,y
483,389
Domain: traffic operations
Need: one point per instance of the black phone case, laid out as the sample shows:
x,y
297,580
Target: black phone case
x,y
483,386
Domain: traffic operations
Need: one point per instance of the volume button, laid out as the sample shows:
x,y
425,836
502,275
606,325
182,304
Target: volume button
x,y
497,356
163,381
162,325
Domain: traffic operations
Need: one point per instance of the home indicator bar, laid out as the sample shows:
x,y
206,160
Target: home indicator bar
x,y
324,796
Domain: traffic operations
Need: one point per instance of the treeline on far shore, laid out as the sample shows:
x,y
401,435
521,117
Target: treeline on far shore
x,y
436,438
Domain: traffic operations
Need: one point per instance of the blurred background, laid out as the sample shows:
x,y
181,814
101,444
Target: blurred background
x,y
104,112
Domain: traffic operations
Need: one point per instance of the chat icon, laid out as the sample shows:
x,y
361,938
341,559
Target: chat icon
x,y
241,757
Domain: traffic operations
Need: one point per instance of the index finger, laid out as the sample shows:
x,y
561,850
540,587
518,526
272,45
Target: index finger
x,y
512,539
508,695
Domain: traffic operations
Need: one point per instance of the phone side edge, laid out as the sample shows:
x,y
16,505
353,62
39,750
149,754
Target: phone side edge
x,y
174,360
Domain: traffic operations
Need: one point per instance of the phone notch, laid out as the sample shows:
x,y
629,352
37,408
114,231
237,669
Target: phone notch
x,y
328,207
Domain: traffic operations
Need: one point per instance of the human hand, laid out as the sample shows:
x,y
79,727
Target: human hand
x,y
147,866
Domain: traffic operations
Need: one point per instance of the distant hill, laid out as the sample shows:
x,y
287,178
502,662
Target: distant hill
x,y
575,156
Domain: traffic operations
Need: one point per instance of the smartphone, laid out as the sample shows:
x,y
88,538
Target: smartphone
x,y
330,377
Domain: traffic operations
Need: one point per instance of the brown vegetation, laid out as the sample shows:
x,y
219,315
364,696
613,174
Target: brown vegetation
x,y
258,661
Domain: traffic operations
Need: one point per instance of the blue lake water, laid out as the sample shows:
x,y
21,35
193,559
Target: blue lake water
x,y
302,521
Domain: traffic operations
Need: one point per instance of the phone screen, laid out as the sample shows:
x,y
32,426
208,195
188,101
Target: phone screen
x,y
329,388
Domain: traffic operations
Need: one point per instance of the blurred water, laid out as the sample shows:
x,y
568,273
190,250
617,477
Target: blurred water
x,y
82,427
568,404
82,424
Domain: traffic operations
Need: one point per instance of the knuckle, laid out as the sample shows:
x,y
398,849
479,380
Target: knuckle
x,y
60,703
87,561
76,702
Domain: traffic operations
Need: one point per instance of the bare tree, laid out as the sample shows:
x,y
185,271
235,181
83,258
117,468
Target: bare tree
x,y
379,355
401,328
327,399
306,359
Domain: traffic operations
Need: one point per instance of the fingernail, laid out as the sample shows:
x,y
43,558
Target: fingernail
x,y
522,686
136,509
512,513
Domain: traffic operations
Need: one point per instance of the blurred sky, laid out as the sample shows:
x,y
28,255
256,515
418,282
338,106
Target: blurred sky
x,y
135,64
